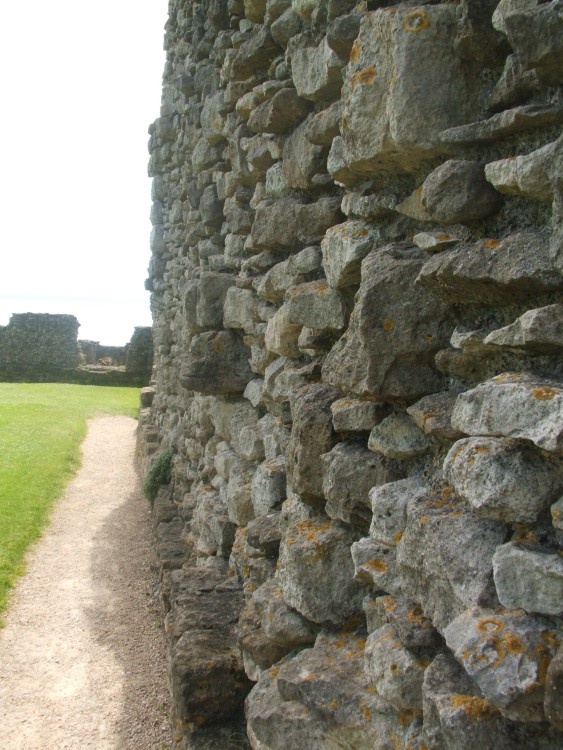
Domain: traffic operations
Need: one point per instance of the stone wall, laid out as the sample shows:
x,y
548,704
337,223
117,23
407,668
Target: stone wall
x,y
39,340
356,288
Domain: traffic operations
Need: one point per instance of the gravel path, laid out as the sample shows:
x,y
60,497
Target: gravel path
x,y
82,656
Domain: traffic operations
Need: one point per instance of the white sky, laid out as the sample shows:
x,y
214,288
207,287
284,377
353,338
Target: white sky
x,y
80,83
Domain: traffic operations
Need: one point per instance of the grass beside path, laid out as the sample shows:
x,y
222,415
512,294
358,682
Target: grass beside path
x,y
42,426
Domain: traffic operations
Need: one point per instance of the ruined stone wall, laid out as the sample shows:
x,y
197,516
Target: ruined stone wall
x,y
39,340
356,287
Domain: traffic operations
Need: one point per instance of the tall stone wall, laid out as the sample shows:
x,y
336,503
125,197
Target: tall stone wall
x,y
356,281
39,340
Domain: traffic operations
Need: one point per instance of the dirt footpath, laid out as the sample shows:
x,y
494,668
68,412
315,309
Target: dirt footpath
x,y
82,656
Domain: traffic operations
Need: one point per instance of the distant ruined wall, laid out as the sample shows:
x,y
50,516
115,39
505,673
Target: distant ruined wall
x,y
356,281
40,340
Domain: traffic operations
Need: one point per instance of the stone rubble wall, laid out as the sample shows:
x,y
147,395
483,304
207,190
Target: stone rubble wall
x,y
39,340
356,279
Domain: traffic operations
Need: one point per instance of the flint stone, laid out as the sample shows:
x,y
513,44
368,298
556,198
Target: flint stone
x,y
302,160
352,415
433,415
316,72
279,114
507,655
204,299
349,472
268,486
316,572
529,578
375,564
295,270
492,272
344,247
507,480
394,332
281,624
444,558
516,120
526,175
311,436
457,192
539,330
389,506
391,120
217,362
395,672
398,436
514,405
457,716
282,335
316,305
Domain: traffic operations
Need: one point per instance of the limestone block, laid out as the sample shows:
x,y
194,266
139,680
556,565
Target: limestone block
x,y
279,114
507,655
554,690
349,473
375,564
526,175
353,415
302,160
280,623
315,218
316,573
325,125
212,117
445,557
275,226
434,242
504,479
395,672
457,192
253,55
249,443
316,72
341,34
514,405
264,533
413,630
157,240
433,415
515,120
239,494
250,565
494,272
389,506
285,27
398,436
457,716
311,436
344,246
529,577
316,305
275,436
269,486
217,362
276,186
210,524
225,459
282,334
404,84
539,330
240,309
254,10
557,514
204,299
395,330
535,33
296,270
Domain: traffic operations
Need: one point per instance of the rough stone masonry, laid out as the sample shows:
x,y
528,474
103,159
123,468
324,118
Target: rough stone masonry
x,y
356,282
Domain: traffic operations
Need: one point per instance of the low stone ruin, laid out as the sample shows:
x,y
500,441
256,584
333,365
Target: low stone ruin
x,y
356,281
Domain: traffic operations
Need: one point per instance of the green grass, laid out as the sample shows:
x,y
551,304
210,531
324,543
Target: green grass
x,y
41,428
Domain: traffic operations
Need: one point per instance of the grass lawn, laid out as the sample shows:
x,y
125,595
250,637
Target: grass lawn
x,y
41,428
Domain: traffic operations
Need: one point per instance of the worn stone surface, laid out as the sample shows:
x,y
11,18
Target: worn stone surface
x,y
398,436
529,578
509,480
352,415
344,247
539,330
513,405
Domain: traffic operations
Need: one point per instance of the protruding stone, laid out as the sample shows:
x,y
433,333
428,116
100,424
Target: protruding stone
x,y
279,114
397,436
217,362
389,506
529,578
352,415
375,564
539,330
344,247
316,305
316,72
204,299
434,242
268,486
282,334
433,415
280,623
526,175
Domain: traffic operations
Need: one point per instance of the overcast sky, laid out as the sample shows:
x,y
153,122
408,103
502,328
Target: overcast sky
x,y
80,84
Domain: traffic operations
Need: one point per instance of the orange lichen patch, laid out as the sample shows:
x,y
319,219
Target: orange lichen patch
x,y
388,603
364,77
513,643
388,325
334,704
415,615
406,716
423,519
378,565
310,676
366,711
416,20
491,244
315,287
355,51
490,625
474,707
424,662
397,538
274,672
545,652
447,492
428,337
443,237
393,668
546,393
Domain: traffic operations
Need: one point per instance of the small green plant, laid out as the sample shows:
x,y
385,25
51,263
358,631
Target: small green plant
x,y
159,473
